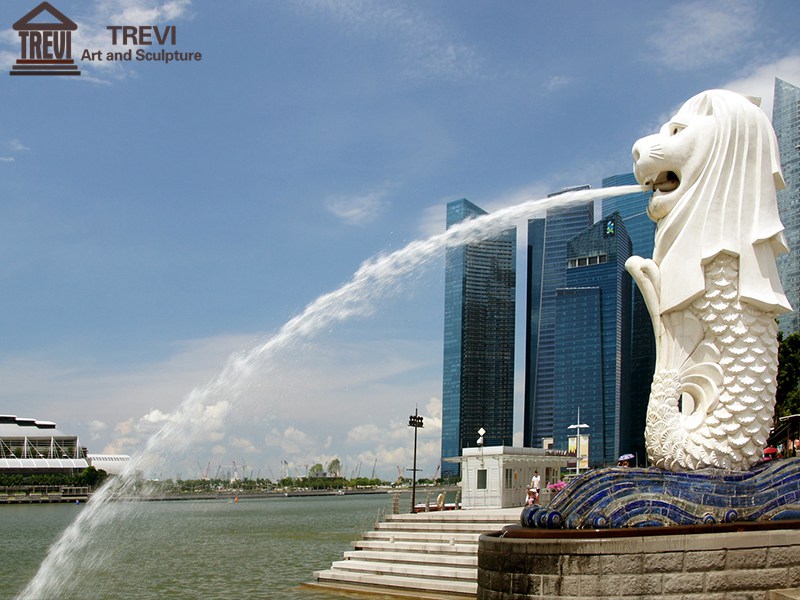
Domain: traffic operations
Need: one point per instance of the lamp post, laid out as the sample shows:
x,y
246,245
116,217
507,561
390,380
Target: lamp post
x,y
414,421
578,426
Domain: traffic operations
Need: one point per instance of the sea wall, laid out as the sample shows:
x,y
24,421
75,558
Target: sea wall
x,y
708,563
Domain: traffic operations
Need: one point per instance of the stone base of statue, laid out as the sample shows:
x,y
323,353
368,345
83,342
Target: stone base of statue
x,y
748,559
622,497
649,533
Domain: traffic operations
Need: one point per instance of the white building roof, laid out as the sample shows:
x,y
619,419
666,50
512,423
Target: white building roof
x,y
43,463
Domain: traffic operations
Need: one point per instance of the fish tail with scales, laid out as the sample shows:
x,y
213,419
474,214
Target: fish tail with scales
x,y
713,393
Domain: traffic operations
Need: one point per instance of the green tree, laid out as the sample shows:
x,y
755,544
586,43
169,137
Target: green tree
x,y
92,477
316,470
787,397
334,468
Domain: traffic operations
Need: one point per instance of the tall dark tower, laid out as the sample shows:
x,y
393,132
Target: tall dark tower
x,y
478,378
547,271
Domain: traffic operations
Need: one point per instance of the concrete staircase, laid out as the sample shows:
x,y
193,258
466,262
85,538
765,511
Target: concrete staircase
x,y
424,555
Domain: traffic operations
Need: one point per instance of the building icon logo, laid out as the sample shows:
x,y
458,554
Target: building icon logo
x,y
45,48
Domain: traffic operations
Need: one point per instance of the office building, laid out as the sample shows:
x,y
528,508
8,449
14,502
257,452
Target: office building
x,y
478,378
786,122
641,230
547,272
592,342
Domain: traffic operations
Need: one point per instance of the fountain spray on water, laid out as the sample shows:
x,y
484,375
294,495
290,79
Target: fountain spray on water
x,y
78,550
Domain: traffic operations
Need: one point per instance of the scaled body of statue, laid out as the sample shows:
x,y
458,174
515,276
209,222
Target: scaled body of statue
x,y
712,287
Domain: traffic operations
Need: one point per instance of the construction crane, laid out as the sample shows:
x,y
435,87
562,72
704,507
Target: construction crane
x,y
436,472
204,473
375,464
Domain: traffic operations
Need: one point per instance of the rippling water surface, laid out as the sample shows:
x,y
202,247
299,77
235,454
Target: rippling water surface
x,y
209,549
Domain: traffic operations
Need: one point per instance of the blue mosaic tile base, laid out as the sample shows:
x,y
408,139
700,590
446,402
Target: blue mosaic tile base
x,y
624,497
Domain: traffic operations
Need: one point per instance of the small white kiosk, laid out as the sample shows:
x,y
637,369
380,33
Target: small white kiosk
x,y
498,476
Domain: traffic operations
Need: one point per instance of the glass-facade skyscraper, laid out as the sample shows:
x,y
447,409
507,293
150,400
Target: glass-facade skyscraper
x,y
592,341
569,343
479,314
633,209
786,122
547,271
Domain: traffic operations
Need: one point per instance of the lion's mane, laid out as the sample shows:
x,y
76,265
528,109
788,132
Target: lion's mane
x,y
730,207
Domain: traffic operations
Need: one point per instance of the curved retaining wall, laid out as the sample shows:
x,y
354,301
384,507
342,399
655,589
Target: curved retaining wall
x,y
708,563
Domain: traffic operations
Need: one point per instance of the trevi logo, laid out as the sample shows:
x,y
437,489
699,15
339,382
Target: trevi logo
x,y
45,48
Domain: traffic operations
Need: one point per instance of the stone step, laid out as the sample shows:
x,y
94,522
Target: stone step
x,y
406,569
466,588
454,527
499,516
412,546
442,537
433,554
355,590
449,560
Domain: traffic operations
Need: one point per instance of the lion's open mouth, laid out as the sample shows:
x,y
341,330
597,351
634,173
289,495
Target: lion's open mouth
x,y
666,181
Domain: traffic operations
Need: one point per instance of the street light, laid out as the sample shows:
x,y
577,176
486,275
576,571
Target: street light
x,y
578,426
414,421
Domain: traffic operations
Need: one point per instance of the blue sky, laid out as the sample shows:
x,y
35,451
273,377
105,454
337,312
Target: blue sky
x,y
156,218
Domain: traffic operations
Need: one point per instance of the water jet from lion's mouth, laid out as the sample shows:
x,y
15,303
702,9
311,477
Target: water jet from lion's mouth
x,y
88,541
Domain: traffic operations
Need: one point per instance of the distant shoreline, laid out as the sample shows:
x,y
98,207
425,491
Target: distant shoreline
x,y
244,495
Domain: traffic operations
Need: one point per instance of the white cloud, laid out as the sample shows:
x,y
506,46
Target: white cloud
x,y
761,81
17,146
156,417
427,48
556,82
244,445
692,35
365,433
359,209
96,428
291,441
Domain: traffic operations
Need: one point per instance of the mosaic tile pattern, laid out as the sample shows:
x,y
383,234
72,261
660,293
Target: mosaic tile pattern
x,y
623,497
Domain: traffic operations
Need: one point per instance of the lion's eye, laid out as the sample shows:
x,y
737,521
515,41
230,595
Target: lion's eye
x,y
676,128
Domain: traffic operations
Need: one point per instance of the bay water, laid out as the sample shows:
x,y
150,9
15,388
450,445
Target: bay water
x,y
251,549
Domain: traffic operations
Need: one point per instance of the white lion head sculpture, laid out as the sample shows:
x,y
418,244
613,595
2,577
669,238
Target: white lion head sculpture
x,y
714,168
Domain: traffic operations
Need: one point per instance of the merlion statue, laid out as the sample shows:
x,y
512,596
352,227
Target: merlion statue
x,y
712,287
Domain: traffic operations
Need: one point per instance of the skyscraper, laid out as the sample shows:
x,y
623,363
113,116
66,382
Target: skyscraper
x,y
547,271
478,378
786,122
592,341
641,229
